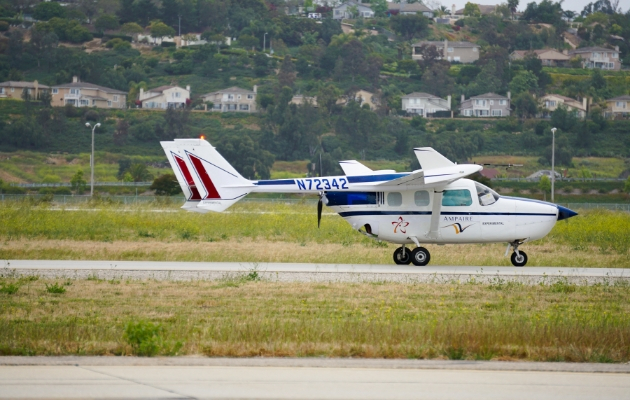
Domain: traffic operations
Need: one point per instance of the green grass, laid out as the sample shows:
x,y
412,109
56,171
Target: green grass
x,y
271,232
244,318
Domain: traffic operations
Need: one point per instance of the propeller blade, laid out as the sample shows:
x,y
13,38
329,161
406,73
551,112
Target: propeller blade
x,y
319,211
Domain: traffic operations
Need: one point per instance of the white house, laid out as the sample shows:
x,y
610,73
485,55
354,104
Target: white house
x,y
164,97
233,99
424,103
342,11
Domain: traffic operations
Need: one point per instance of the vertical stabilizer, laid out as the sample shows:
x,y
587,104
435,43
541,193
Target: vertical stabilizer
x,y
209,182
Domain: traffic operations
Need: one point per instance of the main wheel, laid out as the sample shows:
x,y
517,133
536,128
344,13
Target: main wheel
x,y
420,256
520,259
401,259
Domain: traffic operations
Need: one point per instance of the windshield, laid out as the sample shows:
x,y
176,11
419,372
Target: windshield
x,y
486,195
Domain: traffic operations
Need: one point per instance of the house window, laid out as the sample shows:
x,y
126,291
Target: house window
x,y
615,55
230,97
394,199
611,65
496,113
250,96
75,91
502,102
450,50
177,95
457,59
55,91
491,102
109,103
238,97
93,102
1,90
468,112
551,103
216,106
621,104
85,102
116,98
475,50
244,107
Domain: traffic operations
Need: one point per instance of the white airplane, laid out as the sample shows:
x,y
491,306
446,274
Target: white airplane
x,y
432,205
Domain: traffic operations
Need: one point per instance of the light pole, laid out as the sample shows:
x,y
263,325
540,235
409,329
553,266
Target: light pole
x,y
264,41
553,160
92,158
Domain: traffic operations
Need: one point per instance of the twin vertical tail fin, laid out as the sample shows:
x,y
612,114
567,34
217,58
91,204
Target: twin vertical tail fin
x,y
209,182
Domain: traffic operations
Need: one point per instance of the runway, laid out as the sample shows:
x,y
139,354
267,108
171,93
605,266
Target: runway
x,y
307,272
203,378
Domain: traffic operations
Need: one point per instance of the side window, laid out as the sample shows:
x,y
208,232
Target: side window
x,y
421,198
486,195
455,198
394,199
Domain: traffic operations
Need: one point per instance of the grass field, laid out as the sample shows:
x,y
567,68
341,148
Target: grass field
x,y
265,232
242,316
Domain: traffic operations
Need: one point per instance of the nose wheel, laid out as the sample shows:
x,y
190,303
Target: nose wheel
x,y
519,258
402,256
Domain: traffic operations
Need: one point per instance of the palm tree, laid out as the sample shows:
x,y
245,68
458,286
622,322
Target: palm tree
x,y
512,5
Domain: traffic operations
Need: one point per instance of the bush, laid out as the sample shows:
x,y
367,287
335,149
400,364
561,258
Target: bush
x,y
9,288
168,44
144,338
4,26
55,288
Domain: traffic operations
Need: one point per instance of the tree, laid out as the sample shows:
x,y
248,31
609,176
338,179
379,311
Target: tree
x,y
512,6
524,82
140,173
379,7
525,105
45,11
245,155
436,80
544,185
106,22
131,28
160,30
472,10
121,133
409,26
327,98
46,98
77,182
626,186
166,185
353,58
287,73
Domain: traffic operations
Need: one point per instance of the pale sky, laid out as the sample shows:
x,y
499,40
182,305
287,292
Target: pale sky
x,y
573,5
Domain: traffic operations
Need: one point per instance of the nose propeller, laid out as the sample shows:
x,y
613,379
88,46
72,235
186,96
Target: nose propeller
x,y
320,205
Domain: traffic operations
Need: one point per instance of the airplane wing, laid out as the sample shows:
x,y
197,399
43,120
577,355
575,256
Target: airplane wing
x,y
354,168
435,177
431,159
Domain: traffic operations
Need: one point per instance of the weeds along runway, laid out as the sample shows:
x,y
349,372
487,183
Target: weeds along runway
x,y
305,378
296,272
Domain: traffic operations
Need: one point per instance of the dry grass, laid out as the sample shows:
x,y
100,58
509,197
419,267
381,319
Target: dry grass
x,y
240,317
261,250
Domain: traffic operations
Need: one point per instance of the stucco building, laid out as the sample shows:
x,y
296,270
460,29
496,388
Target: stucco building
x,y
486,105
463,52
164,97
14,89
424,103
233,99
598,57
84,94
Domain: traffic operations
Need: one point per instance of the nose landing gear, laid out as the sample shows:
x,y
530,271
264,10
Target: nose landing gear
x,y
518,258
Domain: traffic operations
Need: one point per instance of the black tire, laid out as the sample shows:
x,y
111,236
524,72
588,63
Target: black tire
x,y
420,256
400,259
519,260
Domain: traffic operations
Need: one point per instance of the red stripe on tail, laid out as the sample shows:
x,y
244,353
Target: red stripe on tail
x,y
205,178
189,180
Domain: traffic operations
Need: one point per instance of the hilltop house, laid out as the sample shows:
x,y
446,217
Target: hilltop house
x,y
618,107
164,97
464,52
551,102
362,97
598,57
342,11
486,105
548,57
83,94
300,99
424,103
232,99
14,89
404,8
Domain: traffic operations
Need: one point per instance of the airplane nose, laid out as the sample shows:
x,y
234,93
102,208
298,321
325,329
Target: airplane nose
x,y
564,213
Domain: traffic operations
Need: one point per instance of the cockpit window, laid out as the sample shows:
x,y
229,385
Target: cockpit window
x,y
454,198
486,195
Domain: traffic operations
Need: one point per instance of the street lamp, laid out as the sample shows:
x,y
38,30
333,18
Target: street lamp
x,y
264,41
553,160
92,158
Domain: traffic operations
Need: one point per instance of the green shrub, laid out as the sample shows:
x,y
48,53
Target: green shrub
x,y
55,288
144,337
9,288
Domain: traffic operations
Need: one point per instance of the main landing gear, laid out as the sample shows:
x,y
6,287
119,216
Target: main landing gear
x,y
518,258
418,256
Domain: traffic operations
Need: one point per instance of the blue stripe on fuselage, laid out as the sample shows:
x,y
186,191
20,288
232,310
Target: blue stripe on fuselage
x,y
276,182
374,178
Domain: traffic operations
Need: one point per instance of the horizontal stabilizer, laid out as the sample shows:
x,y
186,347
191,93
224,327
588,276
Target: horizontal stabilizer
x,y
354,168
431,159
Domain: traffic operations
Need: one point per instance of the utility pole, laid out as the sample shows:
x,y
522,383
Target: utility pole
x,y
180,27
92,157
553,161
264,41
